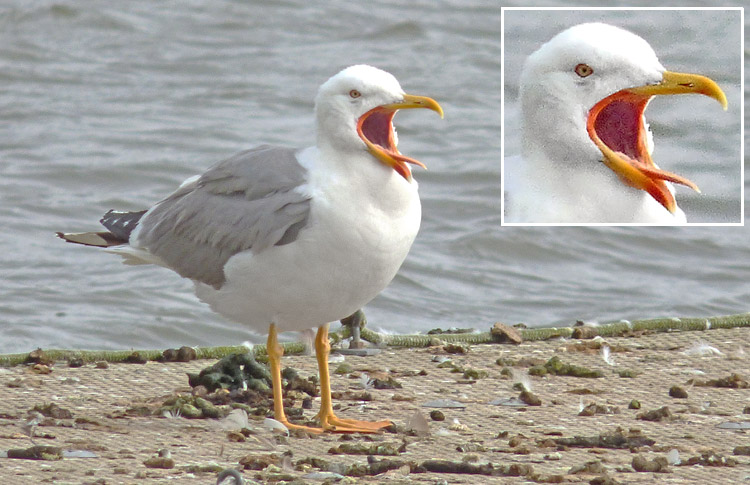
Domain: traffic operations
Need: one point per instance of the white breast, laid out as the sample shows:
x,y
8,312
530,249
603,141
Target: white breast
x,y
363,220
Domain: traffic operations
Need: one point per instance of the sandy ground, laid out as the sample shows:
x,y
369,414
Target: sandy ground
x,y
106,405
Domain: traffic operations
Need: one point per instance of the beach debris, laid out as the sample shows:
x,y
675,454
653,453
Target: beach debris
x,y
556,367
628,373
733,381
376,467
502,333
183,354
386,382
741,450
381,449
673,456
525,361
327,477
508,401
701,348
444,403
275,426
711,458
39,357
734,425
79,454
456,348
658,465
584,331
661,414
162,460
335,358
236,419
488,469
516,440
223,477
450,331
613,440
475,374
344,368
233,372
418,423
678,392
135,358
37,452
593,409
101,364
32,421
593,346
458,426
589,468
41,369
604,480
527,397
521,380
52,410
260,462
75,362
607,355
583,391
189,406
437,415
634,404
365,382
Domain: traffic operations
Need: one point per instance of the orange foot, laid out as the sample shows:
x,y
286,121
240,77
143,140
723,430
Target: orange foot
x,y
333,423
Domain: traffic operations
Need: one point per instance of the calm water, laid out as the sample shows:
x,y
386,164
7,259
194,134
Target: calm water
x,y
110,105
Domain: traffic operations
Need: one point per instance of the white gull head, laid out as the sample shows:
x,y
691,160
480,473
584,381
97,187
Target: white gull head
x,y
354,112
555,99
586,147
345,97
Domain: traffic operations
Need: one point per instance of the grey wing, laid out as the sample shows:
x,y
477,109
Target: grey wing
x,y
247,202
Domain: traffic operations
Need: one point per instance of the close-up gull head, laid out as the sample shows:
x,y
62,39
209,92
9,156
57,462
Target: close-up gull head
x,y
355,109
583,95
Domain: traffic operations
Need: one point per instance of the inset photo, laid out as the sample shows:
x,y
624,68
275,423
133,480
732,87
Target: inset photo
x,y
622,116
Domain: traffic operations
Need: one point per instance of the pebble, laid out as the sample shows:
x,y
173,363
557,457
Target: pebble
x,y
437,415
678,392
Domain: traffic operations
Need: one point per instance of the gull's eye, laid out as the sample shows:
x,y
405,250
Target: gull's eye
x,y
354,93
584,70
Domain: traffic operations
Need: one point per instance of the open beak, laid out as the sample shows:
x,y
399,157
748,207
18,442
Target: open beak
x,y
375,128
616,125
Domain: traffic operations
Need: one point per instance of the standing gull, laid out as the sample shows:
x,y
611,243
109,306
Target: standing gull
x,y
586,148
290,239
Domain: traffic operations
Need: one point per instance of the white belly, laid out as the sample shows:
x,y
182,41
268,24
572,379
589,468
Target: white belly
x,y
341,261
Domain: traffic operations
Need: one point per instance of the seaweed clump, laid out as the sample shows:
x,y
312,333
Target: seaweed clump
x,y
557,367
233,372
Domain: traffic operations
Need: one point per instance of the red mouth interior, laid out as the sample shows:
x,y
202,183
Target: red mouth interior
x,y
619,125
376,126
617,122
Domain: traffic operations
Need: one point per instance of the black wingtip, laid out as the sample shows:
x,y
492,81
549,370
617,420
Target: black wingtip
x,y
121,224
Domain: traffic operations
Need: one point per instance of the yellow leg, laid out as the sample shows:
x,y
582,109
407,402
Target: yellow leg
x,y
275,351
328,420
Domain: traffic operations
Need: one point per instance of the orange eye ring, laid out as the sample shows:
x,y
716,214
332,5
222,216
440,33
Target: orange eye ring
x,y
354,93
583,70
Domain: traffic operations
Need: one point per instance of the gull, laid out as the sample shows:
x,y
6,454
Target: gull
x,y
289,239
586,147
